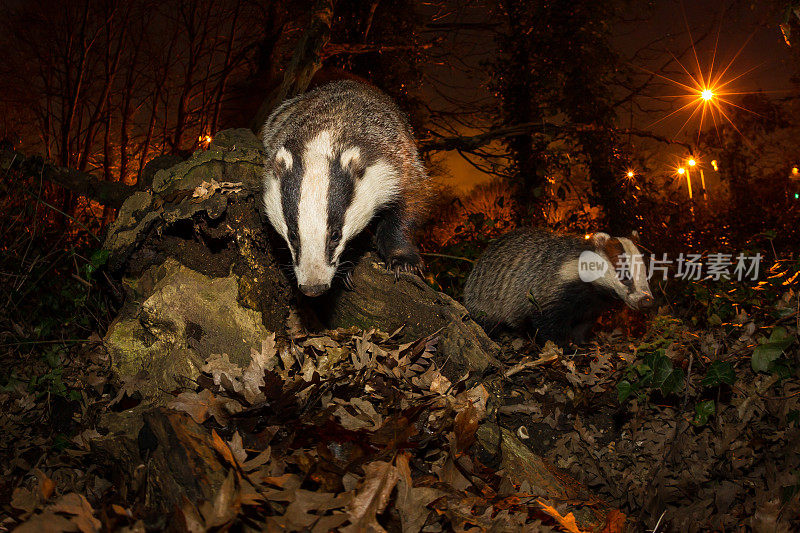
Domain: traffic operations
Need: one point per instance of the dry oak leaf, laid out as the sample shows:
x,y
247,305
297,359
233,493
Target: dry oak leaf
x,y
372,497
466,424
219,365
73,504
203,405
266,359
225,506
130,385
567,522
412,502
24,499
46,485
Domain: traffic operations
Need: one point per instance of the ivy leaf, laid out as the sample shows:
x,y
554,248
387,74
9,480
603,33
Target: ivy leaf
x,y
664,376
703,410
718,373
673,383
624,389
765,353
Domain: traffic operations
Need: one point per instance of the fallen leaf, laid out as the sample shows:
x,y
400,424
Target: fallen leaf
x,y
372,497
567,521
203,405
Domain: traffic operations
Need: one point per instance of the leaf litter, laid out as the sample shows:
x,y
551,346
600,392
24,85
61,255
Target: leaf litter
x,y
349,431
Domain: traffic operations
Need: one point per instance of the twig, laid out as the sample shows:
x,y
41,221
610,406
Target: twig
x,y
109,193
54,341
59,211
445,256
518,408
524,365
472,142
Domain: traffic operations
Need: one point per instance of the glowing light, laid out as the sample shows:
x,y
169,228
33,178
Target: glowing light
x,y
681,171
795,171
587,236
691,162
706,95
205,139
630,174
714,164
797,196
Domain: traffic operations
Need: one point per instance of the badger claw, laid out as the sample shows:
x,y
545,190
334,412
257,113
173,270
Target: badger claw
x,y
405,262
348,281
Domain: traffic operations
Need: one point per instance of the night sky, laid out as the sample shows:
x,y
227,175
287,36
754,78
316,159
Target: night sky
x,y
654,33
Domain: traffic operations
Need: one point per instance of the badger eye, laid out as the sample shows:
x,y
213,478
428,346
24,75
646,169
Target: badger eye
x,y
335,235
294,240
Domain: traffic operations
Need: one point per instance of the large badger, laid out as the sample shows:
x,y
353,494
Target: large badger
x,y
336,157
555,286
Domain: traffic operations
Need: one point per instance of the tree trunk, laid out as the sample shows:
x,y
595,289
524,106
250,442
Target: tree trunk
x,y
305,62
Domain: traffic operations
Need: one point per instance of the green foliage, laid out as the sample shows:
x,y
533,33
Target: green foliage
x,y
702,411
655,372
719,372
771,349
716,302
59,302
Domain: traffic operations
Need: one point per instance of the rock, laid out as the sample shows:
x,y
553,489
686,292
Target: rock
x,y
235,157
184,318
172,459
160,162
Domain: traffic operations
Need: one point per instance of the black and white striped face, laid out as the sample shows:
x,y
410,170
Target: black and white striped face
x,y
319,195
626,275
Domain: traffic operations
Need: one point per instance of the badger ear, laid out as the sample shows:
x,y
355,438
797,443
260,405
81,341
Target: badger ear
x,y
351,159
634,237
599,239
613,249
283,159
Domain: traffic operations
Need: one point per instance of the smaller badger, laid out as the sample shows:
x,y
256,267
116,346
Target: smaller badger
x,y
337,157
555,286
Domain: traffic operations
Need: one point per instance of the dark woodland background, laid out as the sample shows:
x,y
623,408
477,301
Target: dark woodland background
x,y
535,95
570,114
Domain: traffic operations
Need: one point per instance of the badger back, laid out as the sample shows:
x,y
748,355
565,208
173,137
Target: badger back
x,y
519,274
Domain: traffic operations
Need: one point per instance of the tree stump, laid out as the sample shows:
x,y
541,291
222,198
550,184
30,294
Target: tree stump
x,y
202,274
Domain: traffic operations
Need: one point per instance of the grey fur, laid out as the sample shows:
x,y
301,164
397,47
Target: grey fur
x,y
356,115
528,279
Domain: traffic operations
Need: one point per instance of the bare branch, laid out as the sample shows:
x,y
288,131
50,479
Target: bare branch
x,y
355,49
109,193
470,143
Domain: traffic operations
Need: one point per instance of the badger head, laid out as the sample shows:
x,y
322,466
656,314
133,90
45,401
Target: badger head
x,y
318,195
625,274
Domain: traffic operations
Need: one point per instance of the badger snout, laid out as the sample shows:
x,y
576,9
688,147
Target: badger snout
x,y
644,301
314,290
314,278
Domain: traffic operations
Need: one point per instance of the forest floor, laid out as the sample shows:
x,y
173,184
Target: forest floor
x,y
685,420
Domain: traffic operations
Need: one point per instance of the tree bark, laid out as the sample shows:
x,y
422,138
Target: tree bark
x,y
305,62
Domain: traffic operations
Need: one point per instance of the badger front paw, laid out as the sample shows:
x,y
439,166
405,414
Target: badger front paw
x,y
404,260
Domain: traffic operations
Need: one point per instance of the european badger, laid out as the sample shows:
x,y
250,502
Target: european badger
x,y
335,158
534,279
